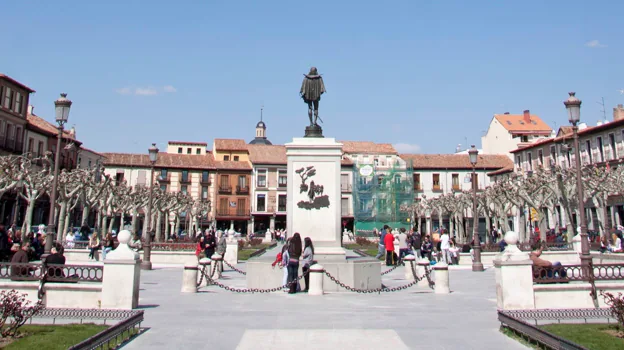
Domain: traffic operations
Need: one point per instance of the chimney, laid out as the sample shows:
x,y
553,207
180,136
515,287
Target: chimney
x,y
618,112
31,108
506,113
72,131
527,116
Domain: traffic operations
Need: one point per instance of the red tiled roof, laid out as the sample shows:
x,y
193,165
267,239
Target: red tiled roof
x,y
41,125
90,150
516,123
230,145
165,160
6,77
265,154
367,147
565,134
188,143
505,170
230,165
456,161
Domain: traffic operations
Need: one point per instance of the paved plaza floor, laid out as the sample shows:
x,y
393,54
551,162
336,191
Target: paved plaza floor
x,y
414,318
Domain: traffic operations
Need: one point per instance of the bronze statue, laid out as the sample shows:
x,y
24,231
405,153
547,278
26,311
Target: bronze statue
x,y
311,90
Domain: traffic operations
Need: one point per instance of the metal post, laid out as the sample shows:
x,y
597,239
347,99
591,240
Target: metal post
x,y
146,264
586,259
476,263
50,230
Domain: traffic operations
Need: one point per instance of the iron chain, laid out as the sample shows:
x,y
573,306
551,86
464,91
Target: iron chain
x,y
235,269
390,270
251,290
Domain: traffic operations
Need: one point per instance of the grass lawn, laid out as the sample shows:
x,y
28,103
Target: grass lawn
x,y
592,336
245,253
370,250
54,337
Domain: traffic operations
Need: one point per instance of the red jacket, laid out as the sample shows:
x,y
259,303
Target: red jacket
x,y
389,242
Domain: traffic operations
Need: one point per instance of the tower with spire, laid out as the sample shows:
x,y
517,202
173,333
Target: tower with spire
x,y
261,138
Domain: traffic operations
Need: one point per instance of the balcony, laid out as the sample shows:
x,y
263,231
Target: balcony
x,y
282,186
437,188
345,187
233,212
242,189
165,179
185,180
225,189
417,187
205,181
456,188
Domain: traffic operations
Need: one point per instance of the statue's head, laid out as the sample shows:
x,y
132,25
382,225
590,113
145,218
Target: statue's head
x,y
313,71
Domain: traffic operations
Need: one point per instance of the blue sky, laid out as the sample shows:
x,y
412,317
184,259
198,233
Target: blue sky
x,y
424,74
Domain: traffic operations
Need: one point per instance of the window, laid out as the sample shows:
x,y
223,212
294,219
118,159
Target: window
x,y
204,192
163,188
188,150
436,182
600,148
553,156
240,210
8,95
141,178
223,206
344,182
589,151
198,151
455,178
88,166
344,205
2,127
184,189
417,182
225,181
18,103
242,181
163,174
524,138
119,178
530,161
226,158
180,150
185,176
261,178
282,178
519,161
40,149
261,202
281,202
614,154
236,158
540,157
205,176
31,142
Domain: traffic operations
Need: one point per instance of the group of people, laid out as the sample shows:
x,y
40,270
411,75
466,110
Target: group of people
x,y
209,243
11,241
613,244
288,260
415,244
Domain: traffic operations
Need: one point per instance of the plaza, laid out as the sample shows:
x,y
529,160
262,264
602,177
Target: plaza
x,y
414,318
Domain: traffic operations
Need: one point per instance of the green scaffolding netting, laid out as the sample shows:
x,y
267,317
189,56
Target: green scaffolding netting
x,y
382,194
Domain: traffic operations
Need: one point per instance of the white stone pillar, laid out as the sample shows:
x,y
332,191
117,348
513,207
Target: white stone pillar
x,y
420,272
189,278
409,261
121,276
441,278
204,265
317,273
231,253
217,261
514,277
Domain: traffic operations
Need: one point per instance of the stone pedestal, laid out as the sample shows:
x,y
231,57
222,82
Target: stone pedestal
x,y
314,195
217,262
409,261
122,276
189,278
231,253
441,278
204,267
514,277
421,270
316,280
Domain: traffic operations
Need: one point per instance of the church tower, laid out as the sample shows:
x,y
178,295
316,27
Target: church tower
x,y
261,138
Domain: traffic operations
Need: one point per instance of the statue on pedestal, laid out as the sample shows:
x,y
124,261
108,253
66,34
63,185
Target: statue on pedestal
x,y
311,90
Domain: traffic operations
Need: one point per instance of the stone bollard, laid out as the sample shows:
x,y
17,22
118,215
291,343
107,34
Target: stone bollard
x,y
317,272
121,276
420,272
189,278
204,265
409,261
231,253
441,278
217,261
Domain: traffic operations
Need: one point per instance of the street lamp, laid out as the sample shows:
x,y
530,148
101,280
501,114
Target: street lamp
x,y
61,107
573,105
146,264
477,265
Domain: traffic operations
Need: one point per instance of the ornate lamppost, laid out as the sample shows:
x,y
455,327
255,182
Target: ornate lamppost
x,y
477,265
146,264
573,105
61,107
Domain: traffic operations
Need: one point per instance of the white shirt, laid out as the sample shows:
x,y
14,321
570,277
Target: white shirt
x,y
402,237
444,242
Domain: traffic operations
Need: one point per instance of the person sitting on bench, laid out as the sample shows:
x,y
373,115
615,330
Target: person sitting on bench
x,y
55,258
544,268
20,257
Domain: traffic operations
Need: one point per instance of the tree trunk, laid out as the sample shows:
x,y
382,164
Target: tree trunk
x,y
159,226
522,225
135,219
177,223
85,215
28,220
167,225
451,226
66,223
104,222
488,226
60,231
111,224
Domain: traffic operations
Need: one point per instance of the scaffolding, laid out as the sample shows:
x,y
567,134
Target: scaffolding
x,y
380,190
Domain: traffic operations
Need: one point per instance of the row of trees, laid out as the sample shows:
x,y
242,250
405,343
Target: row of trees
x,y
546,190
31,179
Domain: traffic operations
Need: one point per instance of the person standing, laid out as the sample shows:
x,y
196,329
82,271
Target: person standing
x,y
416,244
222,244
94,245
294,253
210,244
389,244
308,258
445,246
403,247
109,245
381,248
284,263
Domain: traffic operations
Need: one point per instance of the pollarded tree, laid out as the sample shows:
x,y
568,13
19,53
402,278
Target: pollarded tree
x,y
70,183
90,194
36,182
10,172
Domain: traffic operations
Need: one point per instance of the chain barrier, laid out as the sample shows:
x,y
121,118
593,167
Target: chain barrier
x,y
252,290
427,274
390,270
235,269
377,290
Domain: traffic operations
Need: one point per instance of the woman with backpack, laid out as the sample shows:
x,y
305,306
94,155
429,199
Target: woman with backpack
x,y
294,253
308,260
